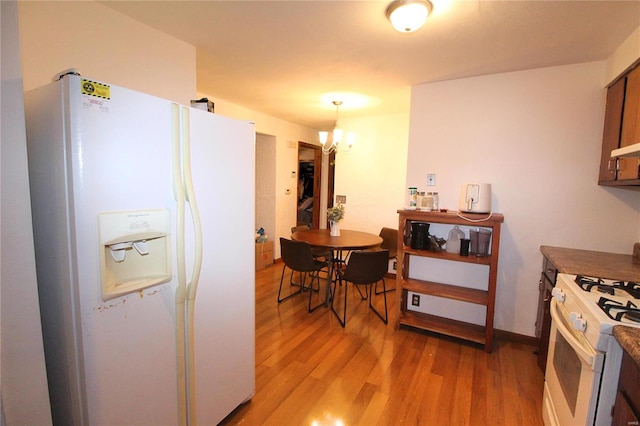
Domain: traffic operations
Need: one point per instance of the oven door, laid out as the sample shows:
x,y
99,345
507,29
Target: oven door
x,y
572,379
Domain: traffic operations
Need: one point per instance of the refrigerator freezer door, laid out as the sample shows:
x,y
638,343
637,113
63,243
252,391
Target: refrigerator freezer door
x,y
110,362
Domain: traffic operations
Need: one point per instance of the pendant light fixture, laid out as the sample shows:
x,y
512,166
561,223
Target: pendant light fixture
x,y
336,136
407,16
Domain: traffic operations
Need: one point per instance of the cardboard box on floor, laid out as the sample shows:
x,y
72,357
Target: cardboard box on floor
x,y
264,255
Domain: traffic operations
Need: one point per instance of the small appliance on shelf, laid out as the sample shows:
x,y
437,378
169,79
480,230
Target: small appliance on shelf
x,y
475,198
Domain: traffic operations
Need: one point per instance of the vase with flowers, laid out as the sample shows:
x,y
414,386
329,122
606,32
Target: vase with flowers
x,y
335,214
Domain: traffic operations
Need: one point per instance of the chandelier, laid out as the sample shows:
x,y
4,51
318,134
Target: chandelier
x,y
336,136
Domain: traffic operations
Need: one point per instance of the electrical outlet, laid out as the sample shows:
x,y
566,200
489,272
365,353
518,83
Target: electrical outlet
x,y
415,299
431,179
341,199
395,265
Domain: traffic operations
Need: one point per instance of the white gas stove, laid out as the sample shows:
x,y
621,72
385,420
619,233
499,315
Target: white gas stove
x,y
582,375
601,303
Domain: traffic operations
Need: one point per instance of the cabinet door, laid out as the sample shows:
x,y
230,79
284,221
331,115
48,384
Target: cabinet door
x,y
612,129
628,167
544,319
623,414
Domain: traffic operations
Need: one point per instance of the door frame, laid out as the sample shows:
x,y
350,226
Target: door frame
x,y
317,175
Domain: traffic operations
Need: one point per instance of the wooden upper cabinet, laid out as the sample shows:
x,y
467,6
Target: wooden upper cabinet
x,y
621,128
631,119
612,129
628,167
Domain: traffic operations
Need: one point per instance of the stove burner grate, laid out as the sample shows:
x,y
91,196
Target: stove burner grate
x,y
618,310
632,316
609,287
632,288
603,288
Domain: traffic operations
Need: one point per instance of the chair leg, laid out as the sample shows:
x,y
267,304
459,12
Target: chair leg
x,y
384,319
342,320
303,279
291,284
322,302
366,292
385,291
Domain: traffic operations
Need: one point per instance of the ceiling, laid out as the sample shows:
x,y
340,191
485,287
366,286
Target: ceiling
x,y
285,58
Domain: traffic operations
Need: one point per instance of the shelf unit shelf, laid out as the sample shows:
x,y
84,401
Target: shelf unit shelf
x,y
482,334
461,330
448,256
445,290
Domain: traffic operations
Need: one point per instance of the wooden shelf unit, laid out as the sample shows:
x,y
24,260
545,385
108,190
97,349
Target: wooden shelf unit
x,y
459,329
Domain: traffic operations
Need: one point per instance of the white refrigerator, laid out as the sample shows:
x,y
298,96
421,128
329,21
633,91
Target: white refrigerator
x,y
143,215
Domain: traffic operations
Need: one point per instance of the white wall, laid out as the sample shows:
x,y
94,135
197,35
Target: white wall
x,y
104,45
371,174
24,395
536,137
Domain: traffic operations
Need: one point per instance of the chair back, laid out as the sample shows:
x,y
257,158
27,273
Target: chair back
x,y
389,241
367,267
299,228
297,255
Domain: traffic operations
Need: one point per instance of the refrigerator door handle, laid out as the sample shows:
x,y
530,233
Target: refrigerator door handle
x,y
192,287
190,197
178,192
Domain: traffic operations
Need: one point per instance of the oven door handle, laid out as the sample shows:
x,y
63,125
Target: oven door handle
x,y
583,349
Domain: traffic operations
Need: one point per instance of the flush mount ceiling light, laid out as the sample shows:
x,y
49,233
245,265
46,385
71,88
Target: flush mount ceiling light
x,y
407,16
336,136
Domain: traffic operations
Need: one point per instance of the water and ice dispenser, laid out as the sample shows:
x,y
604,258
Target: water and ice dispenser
x,y
134,250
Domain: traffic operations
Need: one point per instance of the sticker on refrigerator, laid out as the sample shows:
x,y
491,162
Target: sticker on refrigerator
x,y
95,96
98,90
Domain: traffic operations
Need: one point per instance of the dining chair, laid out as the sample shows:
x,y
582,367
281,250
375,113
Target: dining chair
x,y
363,268
389,242
297,257
317,252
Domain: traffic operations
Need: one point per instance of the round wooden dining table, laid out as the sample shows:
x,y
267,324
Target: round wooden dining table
x,y
347,240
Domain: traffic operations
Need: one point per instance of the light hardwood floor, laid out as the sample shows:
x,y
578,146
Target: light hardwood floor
x,y
309,369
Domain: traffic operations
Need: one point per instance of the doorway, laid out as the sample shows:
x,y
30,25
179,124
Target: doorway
x,y
309,184
309,178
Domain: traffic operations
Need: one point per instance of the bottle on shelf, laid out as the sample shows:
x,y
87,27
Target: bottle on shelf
x,y
427,202
412,195
453,241
420,199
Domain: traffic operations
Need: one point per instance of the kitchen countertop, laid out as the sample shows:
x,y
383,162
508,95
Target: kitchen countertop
x,y
593,263
629,339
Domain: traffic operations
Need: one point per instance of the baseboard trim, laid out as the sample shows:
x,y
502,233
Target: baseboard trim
x,y
515,337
